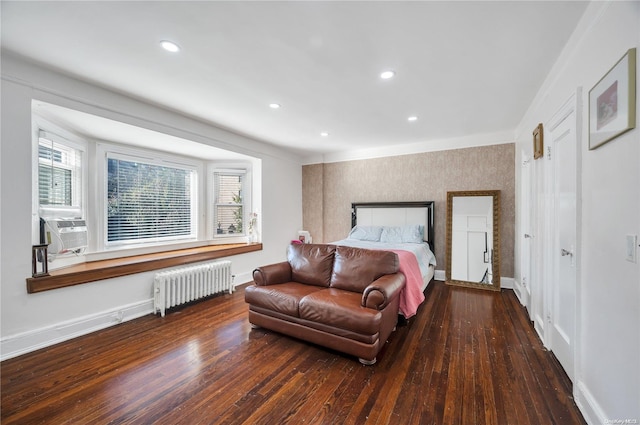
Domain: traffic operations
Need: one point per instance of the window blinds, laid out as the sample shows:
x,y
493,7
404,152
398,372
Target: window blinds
x,y
229,202
148,201
59,172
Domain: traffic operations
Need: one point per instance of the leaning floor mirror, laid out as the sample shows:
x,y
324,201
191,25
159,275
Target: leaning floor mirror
x,y
473,239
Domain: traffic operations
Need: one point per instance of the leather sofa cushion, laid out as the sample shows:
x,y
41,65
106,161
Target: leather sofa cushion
x,y
311,263
283,297
340,309
344,333
355,268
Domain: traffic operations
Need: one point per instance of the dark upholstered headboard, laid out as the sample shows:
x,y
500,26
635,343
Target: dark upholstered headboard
x,y
395,214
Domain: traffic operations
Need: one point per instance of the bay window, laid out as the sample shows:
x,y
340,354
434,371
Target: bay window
x,y
148,193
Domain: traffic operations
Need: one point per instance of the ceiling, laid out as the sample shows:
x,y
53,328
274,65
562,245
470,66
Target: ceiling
x,y
463,68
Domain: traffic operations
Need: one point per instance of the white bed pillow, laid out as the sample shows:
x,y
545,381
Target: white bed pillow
x,y
391,234
365,233
412,233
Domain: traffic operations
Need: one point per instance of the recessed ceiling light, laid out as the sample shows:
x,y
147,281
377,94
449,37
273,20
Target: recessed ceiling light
x,y
324,134
412,118
274,105
170,46
387,74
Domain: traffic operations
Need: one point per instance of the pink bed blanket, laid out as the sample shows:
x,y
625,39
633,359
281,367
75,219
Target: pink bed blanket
x,y
411,296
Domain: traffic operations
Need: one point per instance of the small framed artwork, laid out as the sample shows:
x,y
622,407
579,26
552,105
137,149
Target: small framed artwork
x,y
612,102
538,142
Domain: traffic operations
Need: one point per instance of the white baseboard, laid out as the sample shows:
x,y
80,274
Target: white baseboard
x,y
26,342
589,407
506,282
538,327
439,275
521,292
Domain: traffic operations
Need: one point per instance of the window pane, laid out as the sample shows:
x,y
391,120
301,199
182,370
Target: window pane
x,y
229,203
54,185
229,189
59,179
229,219
147,201
50,154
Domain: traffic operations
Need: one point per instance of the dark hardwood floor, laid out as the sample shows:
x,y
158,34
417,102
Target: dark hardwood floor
x,y
468,357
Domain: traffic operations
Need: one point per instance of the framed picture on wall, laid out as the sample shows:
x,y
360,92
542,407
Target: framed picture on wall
x,y
538,142
612,102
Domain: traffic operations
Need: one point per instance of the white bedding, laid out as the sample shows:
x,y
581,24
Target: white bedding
x,y
402,227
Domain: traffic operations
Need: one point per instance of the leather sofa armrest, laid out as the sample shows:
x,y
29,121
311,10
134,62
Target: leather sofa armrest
x,y
381,292
272,274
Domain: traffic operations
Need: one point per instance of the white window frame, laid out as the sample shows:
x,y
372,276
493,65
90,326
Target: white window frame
x,y
244,168
78,177
104,151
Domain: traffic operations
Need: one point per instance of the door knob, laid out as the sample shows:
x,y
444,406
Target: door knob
x,y
564,253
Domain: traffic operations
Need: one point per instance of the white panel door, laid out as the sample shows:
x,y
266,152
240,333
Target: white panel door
x,y
564,149
538,281
527,233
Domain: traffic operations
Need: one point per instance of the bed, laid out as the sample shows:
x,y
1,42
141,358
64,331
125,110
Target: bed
x,y
405,228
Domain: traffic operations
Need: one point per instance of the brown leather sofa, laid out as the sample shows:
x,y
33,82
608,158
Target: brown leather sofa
x,y
339,297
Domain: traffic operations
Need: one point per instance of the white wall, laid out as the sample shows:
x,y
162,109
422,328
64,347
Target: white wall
x,y
30,321
607,381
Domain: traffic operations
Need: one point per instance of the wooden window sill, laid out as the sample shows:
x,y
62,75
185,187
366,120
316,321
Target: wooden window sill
x,y
106,269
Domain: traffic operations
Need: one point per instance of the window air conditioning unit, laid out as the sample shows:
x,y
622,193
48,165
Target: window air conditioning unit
x,y
64,235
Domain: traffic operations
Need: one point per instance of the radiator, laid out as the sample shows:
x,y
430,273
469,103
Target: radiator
x,y
185,284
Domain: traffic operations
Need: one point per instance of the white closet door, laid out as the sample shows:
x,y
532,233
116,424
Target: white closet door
x,y
562,292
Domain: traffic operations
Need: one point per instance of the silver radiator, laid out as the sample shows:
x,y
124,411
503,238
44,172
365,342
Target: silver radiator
x,y
185,284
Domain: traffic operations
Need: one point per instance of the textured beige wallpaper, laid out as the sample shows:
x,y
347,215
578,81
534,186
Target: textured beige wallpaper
x,y
312,200
329,189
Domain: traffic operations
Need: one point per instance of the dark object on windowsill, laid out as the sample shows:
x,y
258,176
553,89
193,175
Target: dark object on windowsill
x,y
232,229
39,261
219,230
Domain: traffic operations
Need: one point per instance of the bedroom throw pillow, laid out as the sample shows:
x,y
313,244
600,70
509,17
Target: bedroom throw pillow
x,y
391,235
413,233
365,233
402,234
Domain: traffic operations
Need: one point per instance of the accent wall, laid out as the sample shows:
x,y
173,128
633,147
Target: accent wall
x,y
329,189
